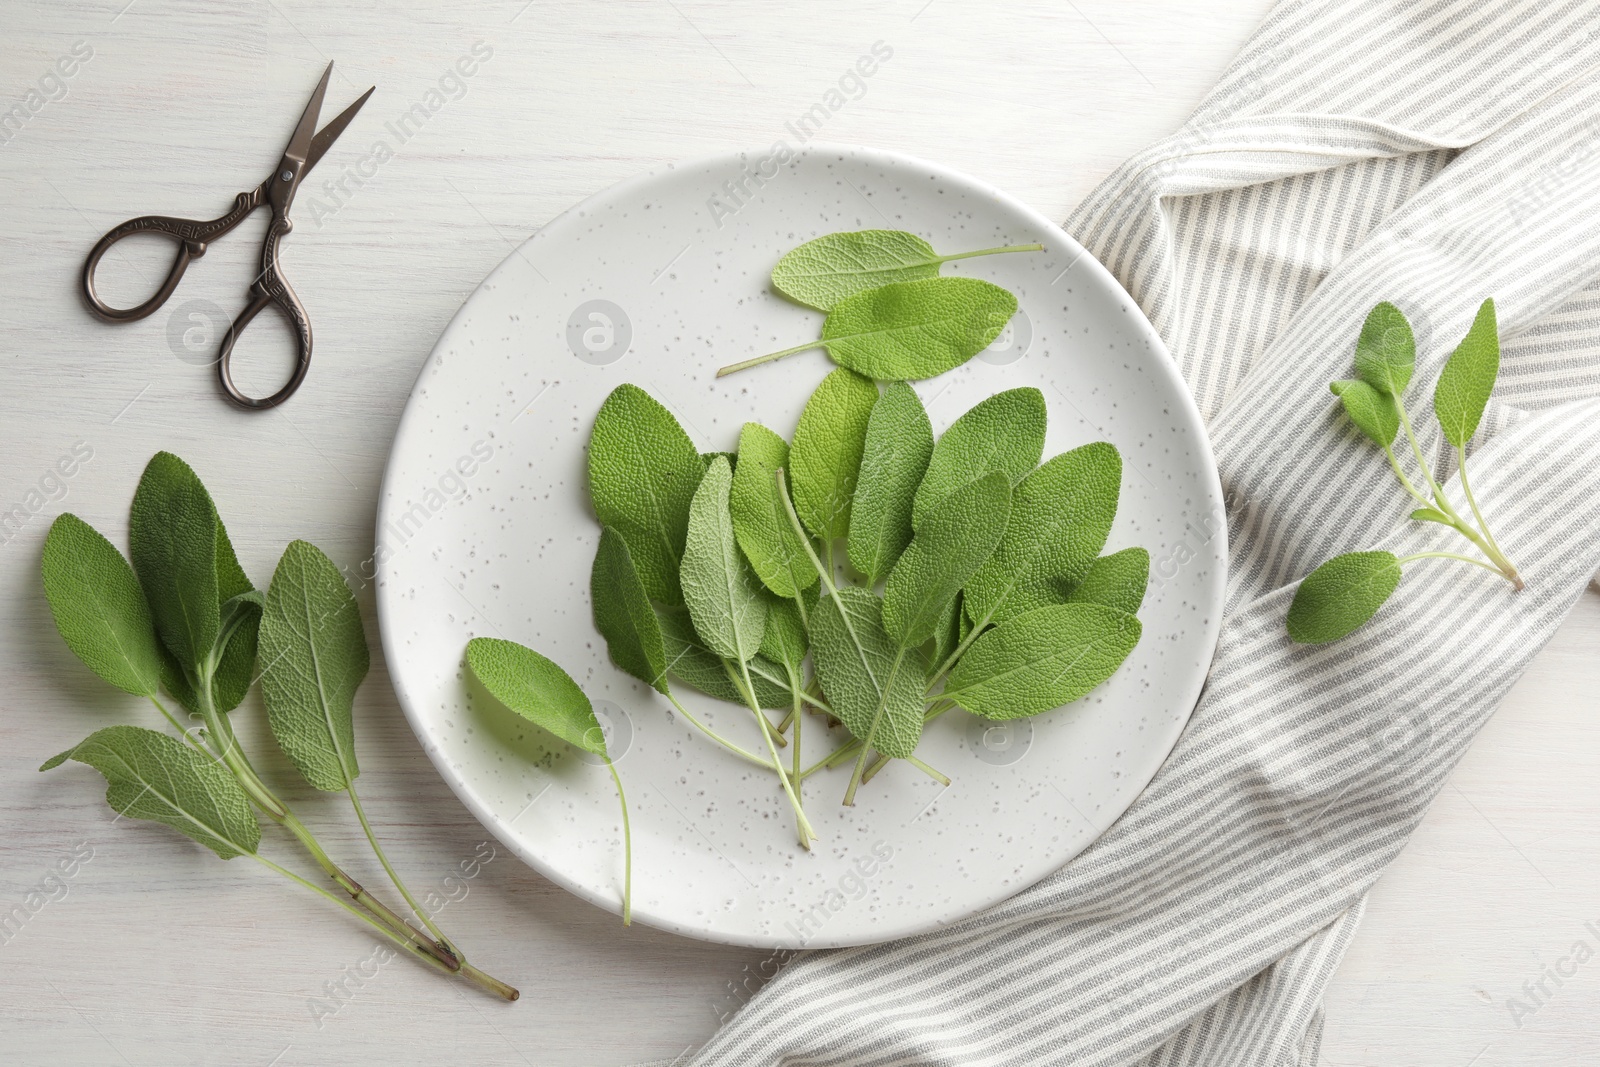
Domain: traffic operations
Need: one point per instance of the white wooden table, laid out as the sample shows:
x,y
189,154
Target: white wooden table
x,y
156,953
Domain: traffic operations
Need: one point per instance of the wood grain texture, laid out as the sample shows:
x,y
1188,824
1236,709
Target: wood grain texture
x,y
160,954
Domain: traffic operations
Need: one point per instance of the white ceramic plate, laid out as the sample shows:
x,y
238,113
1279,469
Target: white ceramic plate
x,y
484,528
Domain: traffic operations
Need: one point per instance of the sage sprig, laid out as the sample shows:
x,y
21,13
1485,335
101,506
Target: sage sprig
x,y
890,315
185,618
1346,591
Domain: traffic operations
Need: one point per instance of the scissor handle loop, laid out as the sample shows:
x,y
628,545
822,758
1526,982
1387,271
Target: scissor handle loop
x,y
191,236
270,288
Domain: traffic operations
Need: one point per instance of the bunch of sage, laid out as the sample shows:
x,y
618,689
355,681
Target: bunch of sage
x,y
1347,590
890,314
862,570
184,618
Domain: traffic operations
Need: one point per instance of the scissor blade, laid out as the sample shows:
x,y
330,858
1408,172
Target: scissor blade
x,y
330,133
300,143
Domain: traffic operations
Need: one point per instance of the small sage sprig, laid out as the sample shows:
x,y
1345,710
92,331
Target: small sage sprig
x,y
185,618
1347,590
891,316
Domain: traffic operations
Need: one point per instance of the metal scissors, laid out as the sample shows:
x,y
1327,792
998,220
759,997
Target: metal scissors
x,y
269,287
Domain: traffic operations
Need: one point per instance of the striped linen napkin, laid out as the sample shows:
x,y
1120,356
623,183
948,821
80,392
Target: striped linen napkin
x,y
1431,154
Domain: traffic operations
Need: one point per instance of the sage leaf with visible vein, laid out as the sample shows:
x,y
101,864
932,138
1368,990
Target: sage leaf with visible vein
x,y
1117,581
1386,350
760,522
691,662
784,641
1041,660
1374,412
1061,515
623,614
172,534
150,775
873,686
314,656
721,592
1468,378
894,457
99,608
536,688
908,330
953,542
824,271
1003,433
1342,594
541,692
188,570
825,460
643,470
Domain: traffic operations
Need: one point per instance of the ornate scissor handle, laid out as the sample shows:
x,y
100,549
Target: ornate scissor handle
x,y
269,288
191,236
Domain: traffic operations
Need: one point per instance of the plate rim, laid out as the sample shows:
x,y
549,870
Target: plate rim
x,y
385,601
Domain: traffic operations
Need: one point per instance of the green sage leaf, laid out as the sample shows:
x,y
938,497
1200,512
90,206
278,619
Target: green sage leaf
x,y
916,329
150,775
953,542
99,608
829,269
825,462
895,456
1468,378
1386,351
173,536
873,686
695,665
760,520
1117,581
1374,412
1340,595
1432,515
643,470
784,641
721,592
1061,515
623,615
313,657
1003,433
822,272
536,688
189,572
1041,660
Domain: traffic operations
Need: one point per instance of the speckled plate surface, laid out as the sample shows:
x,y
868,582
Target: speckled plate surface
x,y
484,528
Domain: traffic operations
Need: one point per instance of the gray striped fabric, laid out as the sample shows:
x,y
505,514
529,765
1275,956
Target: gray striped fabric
x,y
1430,154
